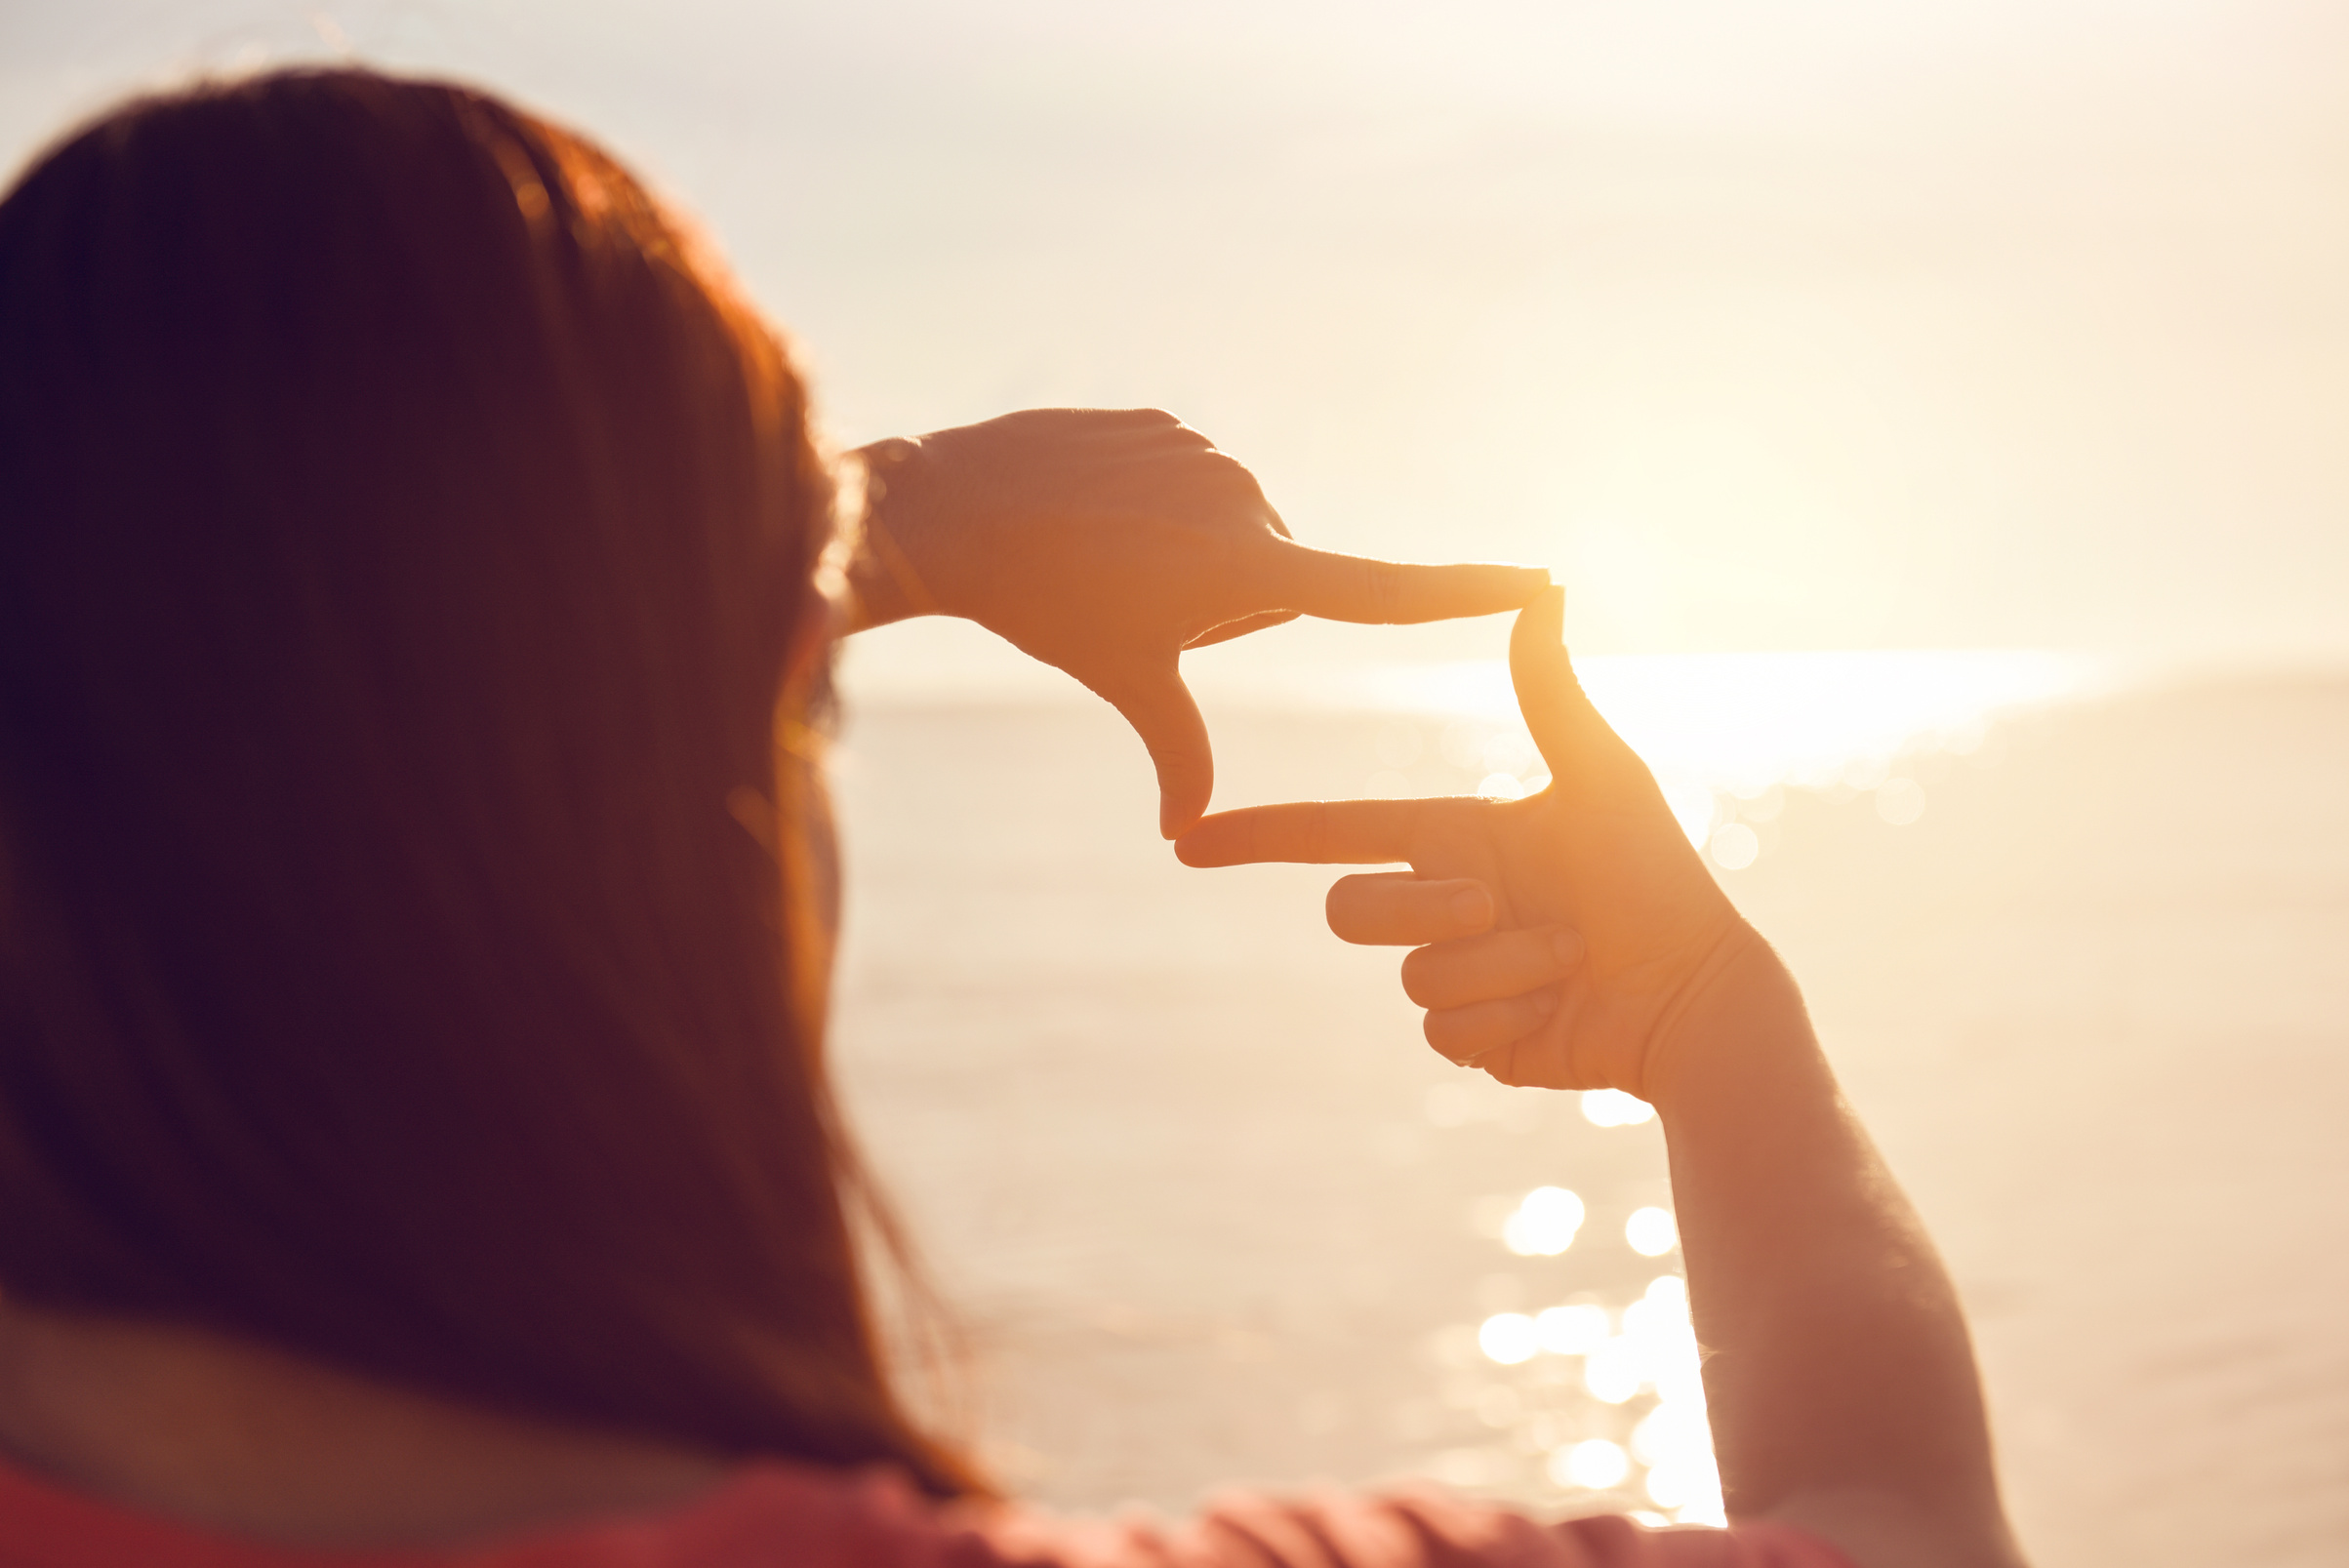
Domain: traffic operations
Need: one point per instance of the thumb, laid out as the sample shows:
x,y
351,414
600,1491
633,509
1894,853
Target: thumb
x,y
1568,731
1159,705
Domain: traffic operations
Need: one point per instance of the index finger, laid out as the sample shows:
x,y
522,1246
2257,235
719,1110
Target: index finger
x,y
1314,832
1357,588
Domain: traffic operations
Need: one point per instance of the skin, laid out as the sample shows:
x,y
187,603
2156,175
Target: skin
x,y
1102,543
1573,939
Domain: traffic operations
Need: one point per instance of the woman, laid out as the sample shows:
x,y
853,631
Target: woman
x,y
418,580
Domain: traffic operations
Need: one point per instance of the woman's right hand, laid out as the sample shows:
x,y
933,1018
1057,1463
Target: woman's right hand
x,y
1840,1387
1557,937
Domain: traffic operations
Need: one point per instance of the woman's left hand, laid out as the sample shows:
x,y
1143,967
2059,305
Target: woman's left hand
x,y
1105,543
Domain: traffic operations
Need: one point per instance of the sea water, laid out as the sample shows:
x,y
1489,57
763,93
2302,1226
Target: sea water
x,y
1208,1211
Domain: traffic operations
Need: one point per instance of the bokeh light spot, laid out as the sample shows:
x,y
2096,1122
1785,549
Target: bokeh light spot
x,y
1692,1482
1611,1371
1595,1464
1509,1338
1544,1222
1651,1232
1575,1330
1612,1107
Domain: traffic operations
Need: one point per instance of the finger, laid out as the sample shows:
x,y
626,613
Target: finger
x,y
1396,910
1159,705
1240,628
1356,587
1496,965
1315,833
1465,1033
1557,713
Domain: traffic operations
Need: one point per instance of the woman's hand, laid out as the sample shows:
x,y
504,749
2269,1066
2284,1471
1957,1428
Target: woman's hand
x,y
1557,937
1840,1387
1105,543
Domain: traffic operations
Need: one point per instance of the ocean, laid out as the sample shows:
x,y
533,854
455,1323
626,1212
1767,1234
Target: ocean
x,y
1207,1210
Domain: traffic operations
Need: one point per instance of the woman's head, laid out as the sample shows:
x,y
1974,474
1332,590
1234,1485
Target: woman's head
x,y
409,553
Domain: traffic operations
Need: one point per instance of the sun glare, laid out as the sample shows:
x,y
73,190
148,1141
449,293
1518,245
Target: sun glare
x,y
1723,732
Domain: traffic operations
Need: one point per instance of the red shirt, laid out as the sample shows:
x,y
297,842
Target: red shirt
x,y
772,1514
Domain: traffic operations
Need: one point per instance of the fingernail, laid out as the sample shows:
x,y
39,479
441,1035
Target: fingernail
x,y
1469,907
1568,944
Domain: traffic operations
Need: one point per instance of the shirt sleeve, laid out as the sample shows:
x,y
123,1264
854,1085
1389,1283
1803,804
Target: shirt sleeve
x,y
1395,1531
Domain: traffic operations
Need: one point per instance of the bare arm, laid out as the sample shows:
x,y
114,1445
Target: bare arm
x,y
1840,1385
1840,1379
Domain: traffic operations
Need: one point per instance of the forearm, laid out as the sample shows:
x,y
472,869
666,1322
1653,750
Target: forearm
x,y
1840,1378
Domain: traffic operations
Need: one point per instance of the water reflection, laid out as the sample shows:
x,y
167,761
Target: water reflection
x,y
1741,722
1597,1463
1509,1338
1651,1232
1728,734
1575,1329
1544,1222
1606,1401
1611,1371
1612,1107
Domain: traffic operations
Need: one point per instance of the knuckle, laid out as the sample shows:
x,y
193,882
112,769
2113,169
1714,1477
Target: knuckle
x,y
1222,559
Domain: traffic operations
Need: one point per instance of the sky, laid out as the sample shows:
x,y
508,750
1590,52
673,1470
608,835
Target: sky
x,y
1769,324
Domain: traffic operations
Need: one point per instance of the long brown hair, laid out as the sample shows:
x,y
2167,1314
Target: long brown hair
x,y
408,549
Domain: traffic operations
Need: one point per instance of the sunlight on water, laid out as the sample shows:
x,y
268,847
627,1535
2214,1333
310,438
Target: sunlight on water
x,y
1611,1371
1629,1421
1725,734
1509,1338
1612,1107
1544,1223
1651,1233
1570,1371
1595,1464
1576,1329
1742,722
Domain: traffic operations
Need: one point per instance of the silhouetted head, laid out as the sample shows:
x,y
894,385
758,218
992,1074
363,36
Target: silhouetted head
x,y
412,562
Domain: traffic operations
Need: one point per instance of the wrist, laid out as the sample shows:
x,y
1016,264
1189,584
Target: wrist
x,y
882,572
1742,1006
